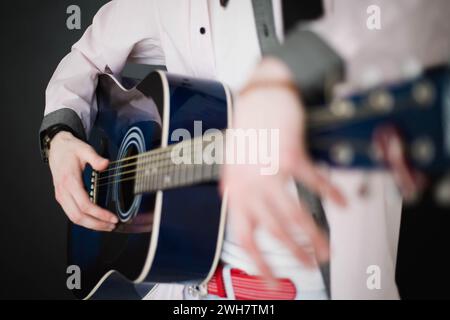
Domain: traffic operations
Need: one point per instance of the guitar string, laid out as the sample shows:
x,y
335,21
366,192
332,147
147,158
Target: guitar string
x,y
152,176
150,159
158,164
162,172
160,150
153,153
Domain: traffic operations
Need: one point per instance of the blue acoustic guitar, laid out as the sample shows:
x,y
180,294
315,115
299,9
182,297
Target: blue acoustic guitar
x,y
172,216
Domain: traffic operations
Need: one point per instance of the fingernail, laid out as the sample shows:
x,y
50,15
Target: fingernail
x,y
114,220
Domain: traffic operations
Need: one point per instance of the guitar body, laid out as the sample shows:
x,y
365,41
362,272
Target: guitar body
x,y
164,236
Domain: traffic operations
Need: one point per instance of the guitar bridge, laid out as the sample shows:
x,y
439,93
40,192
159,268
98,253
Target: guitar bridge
x,y
93,187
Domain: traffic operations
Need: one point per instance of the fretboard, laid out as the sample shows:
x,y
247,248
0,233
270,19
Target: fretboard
x,y
157,170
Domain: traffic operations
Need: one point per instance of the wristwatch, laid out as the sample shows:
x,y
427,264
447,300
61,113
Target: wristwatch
x,y
49,135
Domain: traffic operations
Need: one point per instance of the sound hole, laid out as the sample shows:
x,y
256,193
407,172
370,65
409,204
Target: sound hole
x,y
126,179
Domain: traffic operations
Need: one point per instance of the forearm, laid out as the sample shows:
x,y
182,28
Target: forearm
x,y
104,47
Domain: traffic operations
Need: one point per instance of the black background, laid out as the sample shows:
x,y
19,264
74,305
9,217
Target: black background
x,y
33,227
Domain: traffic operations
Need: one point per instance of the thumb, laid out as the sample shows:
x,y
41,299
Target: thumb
x,y
88,155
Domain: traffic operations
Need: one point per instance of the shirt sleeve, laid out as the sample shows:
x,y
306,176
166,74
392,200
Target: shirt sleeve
x,y
314,64
120,30
350,46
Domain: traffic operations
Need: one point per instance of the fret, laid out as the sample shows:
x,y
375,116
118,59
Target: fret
x,y
165,175
208,170
164,171
148,176
145,174
176,178
216,171
138,179
158,178
197,172
152,176
189,173
182,174
160,173
139,174
167,180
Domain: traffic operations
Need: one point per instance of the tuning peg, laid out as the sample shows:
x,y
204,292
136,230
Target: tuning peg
x,y
423,93
423,150
343,108
381,100
342,153
442,192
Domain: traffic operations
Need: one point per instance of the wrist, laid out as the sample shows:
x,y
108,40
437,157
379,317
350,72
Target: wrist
x,y
52,136
61,135
274,69
271,73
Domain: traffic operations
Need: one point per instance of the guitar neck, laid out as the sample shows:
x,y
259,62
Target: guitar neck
x,y
340,134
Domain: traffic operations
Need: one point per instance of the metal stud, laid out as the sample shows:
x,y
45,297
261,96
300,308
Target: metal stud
x,y
442,192
423,150
423,93
343,108
381,100
342,153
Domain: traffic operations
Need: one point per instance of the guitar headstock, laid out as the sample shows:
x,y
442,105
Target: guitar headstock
x,y
341,133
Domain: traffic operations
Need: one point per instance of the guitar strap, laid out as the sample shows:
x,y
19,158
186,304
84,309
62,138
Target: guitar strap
x,y
265,26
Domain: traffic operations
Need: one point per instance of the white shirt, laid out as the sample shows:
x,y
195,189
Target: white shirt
x,y
166,32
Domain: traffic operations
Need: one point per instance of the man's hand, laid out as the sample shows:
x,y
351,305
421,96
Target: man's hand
x,y
264,201
68,157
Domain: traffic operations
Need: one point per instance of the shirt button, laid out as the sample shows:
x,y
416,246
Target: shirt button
x,y
265,30
202,30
